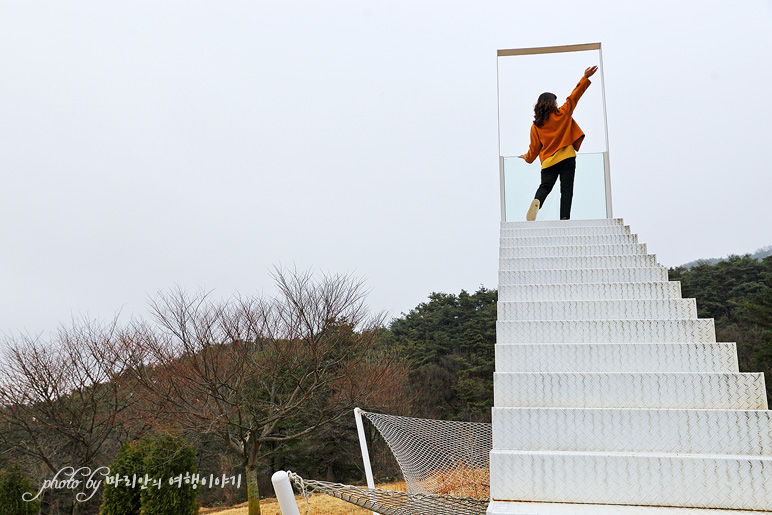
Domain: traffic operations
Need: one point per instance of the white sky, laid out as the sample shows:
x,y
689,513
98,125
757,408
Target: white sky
x,y
148,144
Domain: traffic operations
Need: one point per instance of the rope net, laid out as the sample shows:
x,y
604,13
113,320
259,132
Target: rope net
x,y
439,456
388,502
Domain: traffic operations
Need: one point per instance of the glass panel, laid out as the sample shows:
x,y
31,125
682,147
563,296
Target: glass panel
x,y
521,181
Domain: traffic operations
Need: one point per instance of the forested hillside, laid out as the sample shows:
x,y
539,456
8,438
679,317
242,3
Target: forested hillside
x,y
448,343
221,372
759,255
252,383
737,294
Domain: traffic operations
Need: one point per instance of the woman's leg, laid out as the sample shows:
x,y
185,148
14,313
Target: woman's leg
x,y
567,172
548,178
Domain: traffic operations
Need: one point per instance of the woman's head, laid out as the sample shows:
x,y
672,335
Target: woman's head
x,y
546,104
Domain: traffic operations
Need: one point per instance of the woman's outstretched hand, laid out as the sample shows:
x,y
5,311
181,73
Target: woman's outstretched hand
x,y
589,72
522,156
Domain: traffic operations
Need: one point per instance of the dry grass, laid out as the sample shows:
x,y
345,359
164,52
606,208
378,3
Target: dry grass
x,y
461,481
457,481
319,504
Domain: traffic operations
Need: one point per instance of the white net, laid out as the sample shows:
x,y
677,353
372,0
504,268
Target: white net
x,y
387,502
439,456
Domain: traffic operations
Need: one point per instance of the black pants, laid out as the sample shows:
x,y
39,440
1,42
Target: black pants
x,y
565,170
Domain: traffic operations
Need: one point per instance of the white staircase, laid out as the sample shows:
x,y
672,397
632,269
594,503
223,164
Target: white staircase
x,y
610,395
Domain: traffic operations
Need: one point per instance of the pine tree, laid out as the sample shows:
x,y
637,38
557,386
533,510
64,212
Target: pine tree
x,y
169,457
449,343
159,459
13,485
120,499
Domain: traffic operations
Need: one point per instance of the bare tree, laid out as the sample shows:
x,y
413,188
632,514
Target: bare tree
x,y
62,400
255,370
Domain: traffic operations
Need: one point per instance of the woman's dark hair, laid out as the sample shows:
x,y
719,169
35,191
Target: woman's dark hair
x,y
544,106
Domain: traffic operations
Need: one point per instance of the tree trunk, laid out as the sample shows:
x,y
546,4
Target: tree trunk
x,y
253,492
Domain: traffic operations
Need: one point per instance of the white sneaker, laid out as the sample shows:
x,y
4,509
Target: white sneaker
x,y
531,214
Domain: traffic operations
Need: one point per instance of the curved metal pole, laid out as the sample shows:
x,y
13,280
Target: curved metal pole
x,y
284,493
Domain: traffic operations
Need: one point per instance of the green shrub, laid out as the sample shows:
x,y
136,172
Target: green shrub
x,y
13,484
169,457
122,500
159,459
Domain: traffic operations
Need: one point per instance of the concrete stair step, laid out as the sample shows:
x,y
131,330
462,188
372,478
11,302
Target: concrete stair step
x,y
630,249
582,275
685,480
552,241
606,331
590,291
507,263
541,224
598,309
630,390
617,357
672,431
525,232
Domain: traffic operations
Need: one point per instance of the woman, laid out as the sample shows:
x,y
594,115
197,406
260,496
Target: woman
x,y
555,138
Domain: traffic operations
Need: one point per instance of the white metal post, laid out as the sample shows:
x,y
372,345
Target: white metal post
x,y
609,210
501,159
606,164
284,493
502,189
363,448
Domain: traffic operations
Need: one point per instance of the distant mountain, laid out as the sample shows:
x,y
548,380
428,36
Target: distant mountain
x,y
759,254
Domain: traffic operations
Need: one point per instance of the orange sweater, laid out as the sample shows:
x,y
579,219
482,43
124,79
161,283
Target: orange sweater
x,y
559,129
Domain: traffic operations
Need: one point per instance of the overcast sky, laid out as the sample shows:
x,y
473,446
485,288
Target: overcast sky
x,y
148,144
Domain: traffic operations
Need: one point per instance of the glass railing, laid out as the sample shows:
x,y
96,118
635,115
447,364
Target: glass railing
x,y
520,181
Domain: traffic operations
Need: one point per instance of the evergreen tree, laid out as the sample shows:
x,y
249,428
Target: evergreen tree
x,y
159,459
449,344
737,294
13,485
169,457
119,499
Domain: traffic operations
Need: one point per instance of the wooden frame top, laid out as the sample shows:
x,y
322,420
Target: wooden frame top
x,y
549,49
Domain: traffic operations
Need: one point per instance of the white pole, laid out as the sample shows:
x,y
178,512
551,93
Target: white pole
x,y
502,189
498,104
502,184
284,493
606,164
365,452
